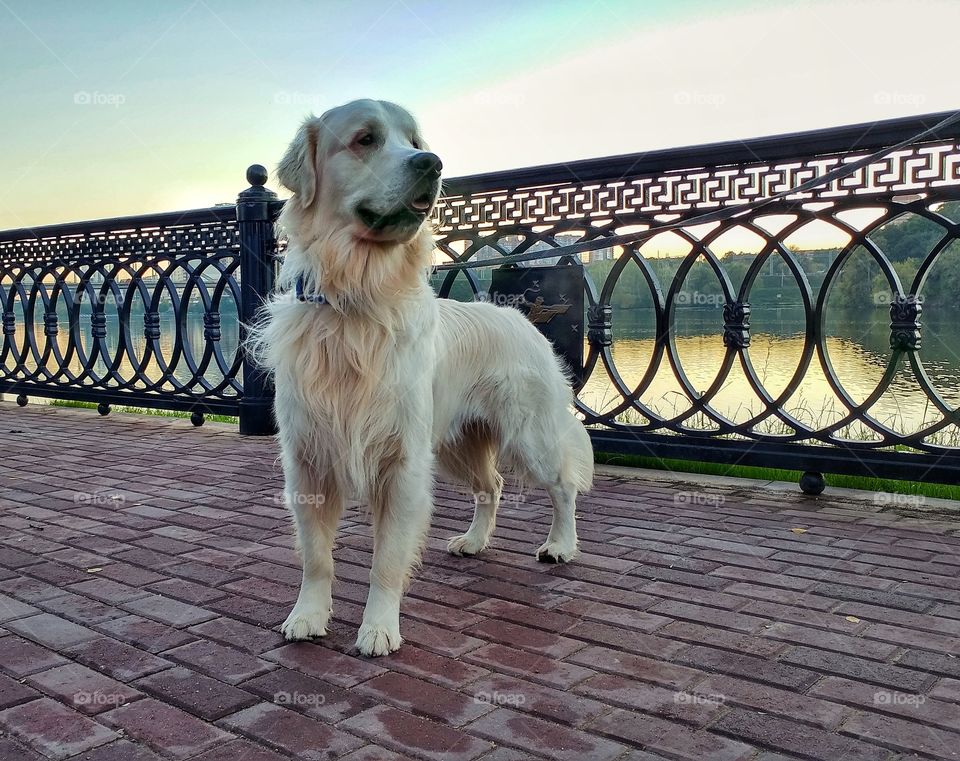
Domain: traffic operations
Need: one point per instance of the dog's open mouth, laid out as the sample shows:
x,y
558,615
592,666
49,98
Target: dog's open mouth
x,y
379,221
408,215
422,203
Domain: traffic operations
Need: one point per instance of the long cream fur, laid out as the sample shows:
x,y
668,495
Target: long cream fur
x,y
385,383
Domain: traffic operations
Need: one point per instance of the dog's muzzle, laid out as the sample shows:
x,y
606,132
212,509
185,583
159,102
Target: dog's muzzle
x,y
418,199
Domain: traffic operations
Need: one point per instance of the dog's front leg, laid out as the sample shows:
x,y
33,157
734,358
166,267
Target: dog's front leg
x,y
401,516
316,509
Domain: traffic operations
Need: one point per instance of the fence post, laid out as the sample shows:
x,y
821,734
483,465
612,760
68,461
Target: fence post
x,y
257,271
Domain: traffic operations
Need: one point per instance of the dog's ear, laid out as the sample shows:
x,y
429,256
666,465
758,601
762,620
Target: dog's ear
x,y
297,170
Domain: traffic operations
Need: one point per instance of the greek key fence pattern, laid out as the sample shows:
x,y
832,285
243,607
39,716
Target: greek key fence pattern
x,y
915,170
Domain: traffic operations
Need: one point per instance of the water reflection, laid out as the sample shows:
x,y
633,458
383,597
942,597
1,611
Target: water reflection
x,y
858,349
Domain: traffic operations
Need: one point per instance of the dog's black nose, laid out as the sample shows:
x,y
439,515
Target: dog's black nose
x,y
427,164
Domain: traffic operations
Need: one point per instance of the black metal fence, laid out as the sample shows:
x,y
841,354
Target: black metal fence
x,y
886,234
145,311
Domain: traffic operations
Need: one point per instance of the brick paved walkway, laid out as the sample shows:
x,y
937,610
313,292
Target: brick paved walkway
x,y
144,566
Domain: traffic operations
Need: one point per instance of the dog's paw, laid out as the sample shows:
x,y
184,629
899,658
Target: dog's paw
x,y
465,545
554,552
304,624
377,640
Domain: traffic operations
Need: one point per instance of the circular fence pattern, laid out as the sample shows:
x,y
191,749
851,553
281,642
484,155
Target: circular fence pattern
x,y
147,311
916,182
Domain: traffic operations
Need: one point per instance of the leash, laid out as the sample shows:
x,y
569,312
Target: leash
x,y
731,212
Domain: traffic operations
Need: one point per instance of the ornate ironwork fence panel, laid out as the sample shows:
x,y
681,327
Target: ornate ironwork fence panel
x,y
136,311
646,389
790,336
146,311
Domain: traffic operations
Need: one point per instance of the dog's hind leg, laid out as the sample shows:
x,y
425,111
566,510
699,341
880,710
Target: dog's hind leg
x,y
571,472
473,458
401,507
561,544
486,502
316,509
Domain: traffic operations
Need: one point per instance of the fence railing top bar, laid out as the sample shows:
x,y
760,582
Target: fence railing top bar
x,y
224,213
866,136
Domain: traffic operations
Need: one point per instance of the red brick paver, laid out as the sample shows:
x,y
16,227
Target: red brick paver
x,y
145,565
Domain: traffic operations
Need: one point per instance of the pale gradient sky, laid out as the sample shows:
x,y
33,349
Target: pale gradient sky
x,y
185,94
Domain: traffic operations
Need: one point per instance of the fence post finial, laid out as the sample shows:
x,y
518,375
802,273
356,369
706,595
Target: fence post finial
x,y
256,211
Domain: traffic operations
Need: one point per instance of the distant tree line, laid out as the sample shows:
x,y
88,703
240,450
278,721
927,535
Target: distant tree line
x,y
905,241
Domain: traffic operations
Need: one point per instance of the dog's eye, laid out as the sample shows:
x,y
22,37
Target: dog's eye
x,y
366,139
416,143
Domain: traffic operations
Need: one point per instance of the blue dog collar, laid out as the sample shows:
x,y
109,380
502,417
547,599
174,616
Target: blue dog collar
x,y
316,298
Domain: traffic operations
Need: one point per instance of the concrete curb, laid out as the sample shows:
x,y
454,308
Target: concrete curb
x,y
898,502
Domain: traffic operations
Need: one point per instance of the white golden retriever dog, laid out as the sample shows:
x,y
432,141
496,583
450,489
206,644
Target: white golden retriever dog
x,y
379,383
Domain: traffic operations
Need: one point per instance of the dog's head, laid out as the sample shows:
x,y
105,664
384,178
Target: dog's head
x,y
365,167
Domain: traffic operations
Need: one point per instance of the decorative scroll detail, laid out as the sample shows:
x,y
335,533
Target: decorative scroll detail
x,y
151,326
50,328
98,325
736,325
600,325
211,326
905,323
